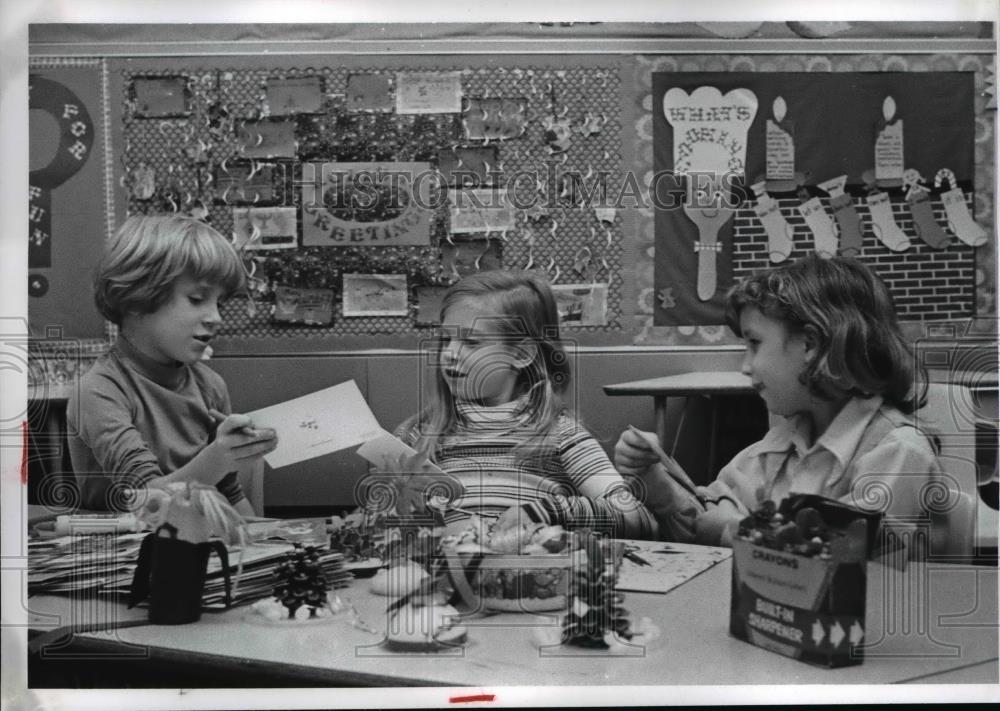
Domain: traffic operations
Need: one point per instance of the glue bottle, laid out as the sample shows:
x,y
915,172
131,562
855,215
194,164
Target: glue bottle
x,y
96,523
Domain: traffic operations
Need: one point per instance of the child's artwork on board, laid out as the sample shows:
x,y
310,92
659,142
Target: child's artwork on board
x,y
780,149
582,304
479,210
710,129
366,204
369,93
495,119
267,139
264,228
468,166
308,307
429,300
465,257
301,95
247,182
375,295
889,163
161,97
428,92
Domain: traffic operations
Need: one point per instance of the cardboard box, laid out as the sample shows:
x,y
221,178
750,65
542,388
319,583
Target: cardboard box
x,y
806,607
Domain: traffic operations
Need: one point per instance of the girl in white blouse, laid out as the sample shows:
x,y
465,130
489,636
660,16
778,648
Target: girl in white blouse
x,y
825,352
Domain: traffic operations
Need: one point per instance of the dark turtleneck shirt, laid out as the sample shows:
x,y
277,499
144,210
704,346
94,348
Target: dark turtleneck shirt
x,y
133,419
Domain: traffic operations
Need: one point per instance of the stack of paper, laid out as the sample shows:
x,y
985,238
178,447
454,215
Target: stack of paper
x,y
106,563
81,562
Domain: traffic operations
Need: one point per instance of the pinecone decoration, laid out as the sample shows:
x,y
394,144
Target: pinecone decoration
x,y
595,607
301,584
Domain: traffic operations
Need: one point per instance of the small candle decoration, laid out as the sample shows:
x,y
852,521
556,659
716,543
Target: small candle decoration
x,y
889,147
780,149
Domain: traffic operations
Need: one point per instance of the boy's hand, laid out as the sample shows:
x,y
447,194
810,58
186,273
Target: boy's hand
x,y
634,452
236,440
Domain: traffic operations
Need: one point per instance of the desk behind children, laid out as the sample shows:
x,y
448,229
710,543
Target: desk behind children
x,y
931,624
708,384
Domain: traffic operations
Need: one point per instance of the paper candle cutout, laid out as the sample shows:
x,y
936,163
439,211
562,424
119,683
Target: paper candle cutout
x,y
889,147
822,226
779,232
848,220
960,222
710,129
709,211
780,150
884,224
924,223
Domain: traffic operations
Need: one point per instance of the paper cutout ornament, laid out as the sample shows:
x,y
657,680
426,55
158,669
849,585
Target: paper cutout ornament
x,y
558,134
821,224
960,222
889,147
779,232
710,129
884,224
848,220
709,211
918,197
143,182
780,150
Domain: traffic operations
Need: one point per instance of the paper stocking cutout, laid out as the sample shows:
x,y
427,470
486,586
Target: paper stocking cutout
x,y
779,232
823,229
884,224
960,222
848,221
924,223
923,220
709,220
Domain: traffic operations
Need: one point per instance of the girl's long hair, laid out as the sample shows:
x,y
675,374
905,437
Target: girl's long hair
x,y
522,308
849,310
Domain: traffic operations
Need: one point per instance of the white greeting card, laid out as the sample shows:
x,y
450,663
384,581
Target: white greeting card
x,y
387,452
322,422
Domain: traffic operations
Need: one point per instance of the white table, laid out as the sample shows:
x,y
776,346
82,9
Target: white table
x,y
947,633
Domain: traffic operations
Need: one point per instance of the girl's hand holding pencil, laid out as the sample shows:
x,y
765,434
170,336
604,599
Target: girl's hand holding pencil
x,y
636,451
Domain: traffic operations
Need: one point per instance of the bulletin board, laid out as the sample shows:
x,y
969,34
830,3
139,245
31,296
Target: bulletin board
x,y
225,138
238,137
949,124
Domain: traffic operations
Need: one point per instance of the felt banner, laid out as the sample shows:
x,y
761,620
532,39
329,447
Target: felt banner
x,y
65,197
838,118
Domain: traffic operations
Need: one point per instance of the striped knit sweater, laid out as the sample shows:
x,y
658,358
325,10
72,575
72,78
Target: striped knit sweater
x,y
570,481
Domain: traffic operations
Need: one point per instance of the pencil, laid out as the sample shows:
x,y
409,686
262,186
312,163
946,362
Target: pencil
x,y
670,465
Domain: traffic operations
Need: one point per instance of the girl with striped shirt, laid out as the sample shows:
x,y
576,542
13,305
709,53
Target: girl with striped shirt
x,y
497,423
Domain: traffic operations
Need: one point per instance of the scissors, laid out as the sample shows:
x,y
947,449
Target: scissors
x,y
631,554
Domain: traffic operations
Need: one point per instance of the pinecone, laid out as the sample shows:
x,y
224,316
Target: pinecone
x,y
595,607
300,581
